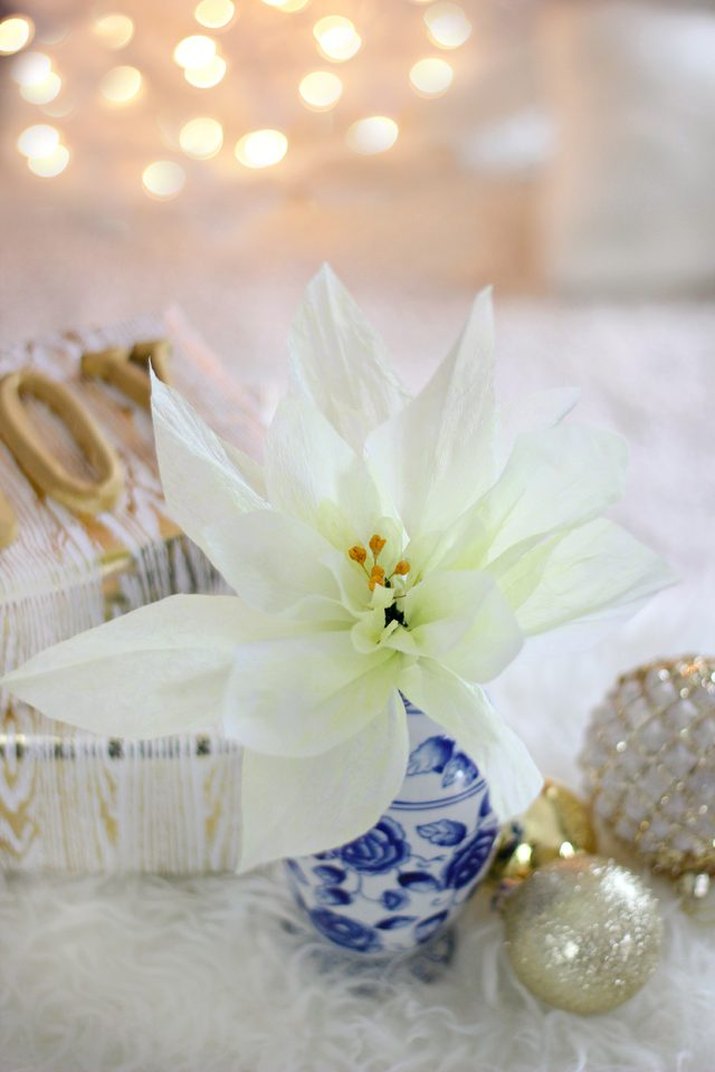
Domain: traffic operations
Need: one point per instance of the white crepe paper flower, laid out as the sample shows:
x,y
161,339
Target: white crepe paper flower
x,y
386,546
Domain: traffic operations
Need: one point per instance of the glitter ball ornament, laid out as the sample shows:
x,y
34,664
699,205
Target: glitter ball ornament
x,y
583,934
649,759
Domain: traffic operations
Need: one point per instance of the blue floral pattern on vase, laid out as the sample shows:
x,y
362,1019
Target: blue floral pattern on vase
x,y
380,850
466,864
402,882
345,931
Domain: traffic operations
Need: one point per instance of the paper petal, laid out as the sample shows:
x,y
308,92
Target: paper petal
x,y
302,695
588,572
275,562
245,401
293,807
202,481
464,621
554,479
313,474
466,713
436,456
161,669
340,363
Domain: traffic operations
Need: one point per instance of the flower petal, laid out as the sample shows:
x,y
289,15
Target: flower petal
x,y
466,713
161,669
293,807
436,456
584,574
274,562
555,479
312,474
463,620
340,363
200,474
250,470
301,695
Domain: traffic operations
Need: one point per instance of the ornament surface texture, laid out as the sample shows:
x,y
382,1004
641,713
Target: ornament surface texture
x,y
399,885
556,826
649,760
583,934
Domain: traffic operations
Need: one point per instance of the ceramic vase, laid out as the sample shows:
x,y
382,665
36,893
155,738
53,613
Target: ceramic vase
x,y
400,885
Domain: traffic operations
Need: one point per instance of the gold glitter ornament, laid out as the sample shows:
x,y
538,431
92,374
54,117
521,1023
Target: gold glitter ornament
x,y
649,759
583,933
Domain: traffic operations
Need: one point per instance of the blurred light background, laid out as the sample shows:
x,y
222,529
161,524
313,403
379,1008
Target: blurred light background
x,y
214,152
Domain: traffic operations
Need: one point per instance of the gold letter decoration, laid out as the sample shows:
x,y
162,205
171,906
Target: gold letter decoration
x,y
8,522
128,370
46,473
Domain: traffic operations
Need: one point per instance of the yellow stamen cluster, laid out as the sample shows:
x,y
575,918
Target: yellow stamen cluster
x,y
376,574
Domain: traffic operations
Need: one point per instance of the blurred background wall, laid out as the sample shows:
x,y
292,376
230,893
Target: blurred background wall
x,y
560,149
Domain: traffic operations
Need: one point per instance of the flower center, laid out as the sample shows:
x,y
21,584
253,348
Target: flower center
x,y
376,574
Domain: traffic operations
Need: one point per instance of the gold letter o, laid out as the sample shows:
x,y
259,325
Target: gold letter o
x,y
45,471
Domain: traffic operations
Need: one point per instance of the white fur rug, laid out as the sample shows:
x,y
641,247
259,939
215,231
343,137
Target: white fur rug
x,y
147,975
144,974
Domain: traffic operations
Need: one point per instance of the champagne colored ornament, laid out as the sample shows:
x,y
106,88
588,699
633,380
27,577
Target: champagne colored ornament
x,y
649,759
583,934
556,826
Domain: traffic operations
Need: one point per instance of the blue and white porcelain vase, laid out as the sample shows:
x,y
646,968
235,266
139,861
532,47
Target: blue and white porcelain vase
x,y
401,884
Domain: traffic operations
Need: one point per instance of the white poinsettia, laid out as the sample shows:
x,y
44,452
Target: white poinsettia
x,y
385,546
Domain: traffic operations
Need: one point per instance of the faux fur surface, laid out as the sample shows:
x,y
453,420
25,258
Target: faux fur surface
x,y
145,975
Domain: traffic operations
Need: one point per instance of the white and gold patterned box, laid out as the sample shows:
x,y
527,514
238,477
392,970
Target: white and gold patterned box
x,y
70,800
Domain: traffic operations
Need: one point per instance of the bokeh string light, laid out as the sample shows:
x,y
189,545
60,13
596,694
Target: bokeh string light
x,y
431,77
38,140
15,33
215,14
447,25
375,134
261,148
114,31
52,164
321,90
201,138
288,6
45,154
163,179
121,85
207,56
31,68
337,38
207,76
38,82
195,51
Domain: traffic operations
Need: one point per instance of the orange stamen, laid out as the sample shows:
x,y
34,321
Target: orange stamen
x,y
357,553
376,545
377,576
402,568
